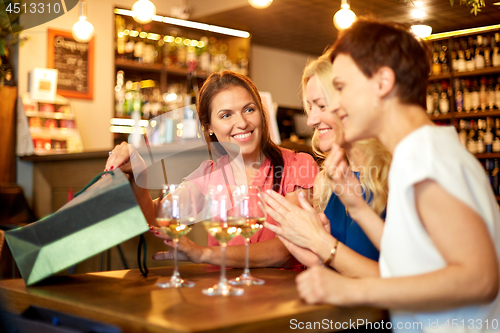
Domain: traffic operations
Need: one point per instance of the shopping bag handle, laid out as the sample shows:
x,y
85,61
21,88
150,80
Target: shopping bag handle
x,y
93,181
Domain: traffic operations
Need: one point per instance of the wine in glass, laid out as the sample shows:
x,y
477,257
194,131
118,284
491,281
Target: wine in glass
x,y
175,213
223,221
254,218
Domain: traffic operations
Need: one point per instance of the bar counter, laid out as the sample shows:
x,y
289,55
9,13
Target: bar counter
x,y
135,304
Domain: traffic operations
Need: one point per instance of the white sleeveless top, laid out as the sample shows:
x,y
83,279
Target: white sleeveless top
x,y
432,152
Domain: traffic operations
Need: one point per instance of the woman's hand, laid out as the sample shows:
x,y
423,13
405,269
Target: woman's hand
x,y
304,256
126,157
301,226
322,285
343,182
188,250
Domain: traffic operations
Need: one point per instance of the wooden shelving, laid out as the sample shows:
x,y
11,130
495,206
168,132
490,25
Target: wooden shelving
x,y
487,155
478,72
446,116
138,66
478,114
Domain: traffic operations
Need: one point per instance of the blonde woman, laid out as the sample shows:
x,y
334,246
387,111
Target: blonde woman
x,y
369,162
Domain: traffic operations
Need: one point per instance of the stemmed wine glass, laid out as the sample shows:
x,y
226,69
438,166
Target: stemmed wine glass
x,y
223,221
175,213
254,217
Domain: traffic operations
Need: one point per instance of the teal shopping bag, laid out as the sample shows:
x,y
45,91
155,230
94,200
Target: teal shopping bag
x,y
102,216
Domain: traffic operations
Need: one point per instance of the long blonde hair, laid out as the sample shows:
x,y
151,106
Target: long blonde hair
x,y
377,160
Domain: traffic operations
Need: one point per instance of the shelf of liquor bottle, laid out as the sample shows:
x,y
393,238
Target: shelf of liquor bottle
x,y
441,76
478,72
50,115
135,65
441,116
52,133
478,114
487,155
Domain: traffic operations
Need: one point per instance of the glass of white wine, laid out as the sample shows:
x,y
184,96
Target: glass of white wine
x,y
175,213
251,204
223,221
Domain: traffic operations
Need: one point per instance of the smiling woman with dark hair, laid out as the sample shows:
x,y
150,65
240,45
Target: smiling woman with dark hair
x,y
231,113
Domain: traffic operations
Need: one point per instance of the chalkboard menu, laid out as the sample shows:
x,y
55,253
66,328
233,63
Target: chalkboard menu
x,y
74,62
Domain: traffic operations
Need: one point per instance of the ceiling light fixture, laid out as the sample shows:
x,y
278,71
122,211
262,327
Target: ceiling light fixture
x,y
143,10
260,4
421,30
190,24
418,13
344,17
82,31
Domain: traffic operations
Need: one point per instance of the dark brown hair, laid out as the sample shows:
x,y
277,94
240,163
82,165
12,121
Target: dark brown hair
x,y
223,80
373,44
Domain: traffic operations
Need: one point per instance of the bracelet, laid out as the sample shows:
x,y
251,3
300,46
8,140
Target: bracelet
x,y
329,260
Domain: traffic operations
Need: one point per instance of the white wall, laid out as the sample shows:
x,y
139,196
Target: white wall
x,y
279,72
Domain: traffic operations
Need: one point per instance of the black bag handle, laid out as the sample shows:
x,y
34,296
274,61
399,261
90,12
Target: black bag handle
x,y
93,181
142,240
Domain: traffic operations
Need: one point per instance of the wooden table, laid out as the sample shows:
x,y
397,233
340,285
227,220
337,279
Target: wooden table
x,y
134,303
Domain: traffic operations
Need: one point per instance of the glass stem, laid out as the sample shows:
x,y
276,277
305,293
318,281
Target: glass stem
x,y
176,246
223,278
247,257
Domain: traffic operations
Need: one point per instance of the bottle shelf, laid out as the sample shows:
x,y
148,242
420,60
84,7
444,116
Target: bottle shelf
x,y
478,72
50,115
487,155
478,114
138,66
442,76
445,116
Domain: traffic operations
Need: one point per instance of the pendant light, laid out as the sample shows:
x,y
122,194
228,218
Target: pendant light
x,y
260,4
344,17
83,31
421,30
143,10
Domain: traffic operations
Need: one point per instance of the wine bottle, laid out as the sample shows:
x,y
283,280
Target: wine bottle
x,y
467,95
204,63
488,135
497,93
475,102
489,166
462,134
495,58
490,94
487,51
469,56
443,59
459,97
444,102
129,98
435,98
129,45
482,94
454,57
430,99
120,94
472,138
479,53
496,136
496,177
480,136
436,64
461,63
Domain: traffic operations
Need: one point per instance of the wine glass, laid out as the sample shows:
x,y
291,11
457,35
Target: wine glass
x,y
175,213
254,218
223,221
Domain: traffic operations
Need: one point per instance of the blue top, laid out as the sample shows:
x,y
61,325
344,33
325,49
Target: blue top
x,y
346,230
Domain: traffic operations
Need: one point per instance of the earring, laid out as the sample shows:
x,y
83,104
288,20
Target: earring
x,y
211,134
